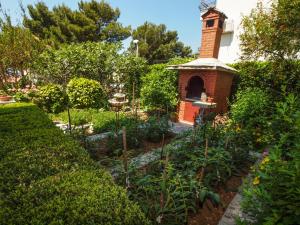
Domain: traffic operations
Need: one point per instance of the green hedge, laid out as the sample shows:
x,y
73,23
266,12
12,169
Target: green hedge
x,y
273,77
47,178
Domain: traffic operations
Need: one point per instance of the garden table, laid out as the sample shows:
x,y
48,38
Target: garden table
x,y
203,106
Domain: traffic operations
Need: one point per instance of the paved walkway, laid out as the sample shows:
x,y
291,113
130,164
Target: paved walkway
x,y
178,128
234,210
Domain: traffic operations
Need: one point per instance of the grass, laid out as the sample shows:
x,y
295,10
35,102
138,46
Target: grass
x,y
102,120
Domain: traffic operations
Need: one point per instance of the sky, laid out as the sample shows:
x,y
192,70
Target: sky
x,y
180,15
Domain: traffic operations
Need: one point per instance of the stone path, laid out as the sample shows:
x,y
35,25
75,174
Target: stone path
x,y
178,128
234,209
138,162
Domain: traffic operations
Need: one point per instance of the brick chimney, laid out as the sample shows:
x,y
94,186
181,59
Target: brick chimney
x,y
212,28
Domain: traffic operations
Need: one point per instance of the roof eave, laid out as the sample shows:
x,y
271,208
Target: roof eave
x,y
218,68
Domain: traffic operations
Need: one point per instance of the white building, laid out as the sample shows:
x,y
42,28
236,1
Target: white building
x,y
235,10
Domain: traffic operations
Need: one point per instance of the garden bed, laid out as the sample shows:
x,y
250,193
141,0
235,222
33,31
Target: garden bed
x,y
211,215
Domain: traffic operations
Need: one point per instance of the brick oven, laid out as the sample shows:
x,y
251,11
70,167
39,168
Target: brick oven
x,y
206,74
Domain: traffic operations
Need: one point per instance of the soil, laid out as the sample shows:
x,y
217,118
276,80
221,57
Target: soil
x,y
210,215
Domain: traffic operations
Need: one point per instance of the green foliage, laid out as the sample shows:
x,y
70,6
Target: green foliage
x,y
271,32
159,88
250,116
21,97
275,78
102,121
273,195
174,187
46,177
92,21
51,98
155,128
134,136
157,44
106,202
89,60
85,93
18,47
130,69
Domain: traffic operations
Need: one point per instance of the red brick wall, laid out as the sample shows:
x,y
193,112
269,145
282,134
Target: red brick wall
x,y
217,85
222,91
211,36
186,110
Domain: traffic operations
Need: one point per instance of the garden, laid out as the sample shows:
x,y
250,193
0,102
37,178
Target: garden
x,y
88,135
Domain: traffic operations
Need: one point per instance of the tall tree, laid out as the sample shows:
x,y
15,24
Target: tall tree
x,y
157,44
17,49
93,21
272,32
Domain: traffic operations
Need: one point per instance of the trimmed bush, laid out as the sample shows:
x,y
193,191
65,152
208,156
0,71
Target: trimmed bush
x,y
46,177
51,98
84,197
85,93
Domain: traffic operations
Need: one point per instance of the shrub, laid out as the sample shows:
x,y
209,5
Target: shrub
x,y
272,197
85,93
21,97
249,114
46,177
51,98
159,88
156,127
273,77
84,197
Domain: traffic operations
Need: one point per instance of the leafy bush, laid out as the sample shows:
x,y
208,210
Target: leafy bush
x,y
278,79
249,114
51,98
134,137
85,93
155,128
21,97
159,88
272,197
46,177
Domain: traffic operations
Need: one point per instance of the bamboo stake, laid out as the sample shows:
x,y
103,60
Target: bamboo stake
x,y
125,160
162,146
205,156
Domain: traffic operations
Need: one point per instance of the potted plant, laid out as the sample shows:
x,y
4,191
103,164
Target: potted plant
x,y
4,97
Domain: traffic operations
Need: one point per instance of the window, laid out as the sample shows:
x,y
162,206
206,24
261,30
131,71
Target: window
x,y
221,23
210,23
195,88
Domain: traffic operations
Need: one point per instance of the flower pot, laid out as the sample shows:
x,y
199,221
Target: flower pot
x,y
5,98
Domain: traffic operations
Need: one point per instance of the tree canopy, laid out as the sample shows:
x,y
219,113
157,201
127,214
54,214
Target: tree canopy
x,y
92,21
157,44
272,32
17,49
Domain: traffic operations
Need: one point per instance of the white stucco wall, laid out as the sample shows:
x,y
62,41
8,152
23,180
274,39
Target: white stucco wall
x,y
234,9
